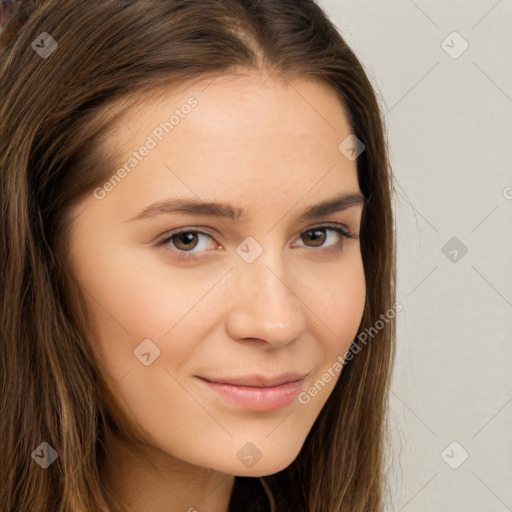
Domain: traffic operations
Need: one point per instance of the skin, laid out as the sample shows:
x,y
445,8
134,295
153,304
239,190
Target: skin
x,y
257,144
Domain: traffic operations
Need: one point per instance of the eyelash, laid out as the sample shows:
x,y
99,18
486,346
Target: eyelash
x,y
190,256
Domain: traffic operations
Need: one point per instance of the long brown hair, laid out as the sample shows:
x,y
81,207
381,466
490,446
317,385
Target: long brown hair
x,y
55,112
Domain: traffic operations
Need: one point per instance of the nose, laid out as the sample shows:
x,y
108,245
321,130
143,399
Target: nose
x,y
264,305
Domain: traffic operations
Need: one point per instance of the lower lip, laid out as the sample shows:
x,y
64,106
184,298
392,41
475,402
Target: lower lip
x,y
258,399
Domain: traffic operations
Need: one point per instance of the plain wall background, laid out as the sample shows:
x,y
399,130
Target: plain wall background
x,y
449,123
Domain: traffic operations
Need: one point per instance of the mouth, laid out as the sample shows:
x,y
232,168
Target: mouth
x,y
256,392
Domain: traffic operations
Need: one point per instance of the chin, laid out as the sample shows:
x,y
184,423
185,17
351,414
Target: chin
x,y
267,466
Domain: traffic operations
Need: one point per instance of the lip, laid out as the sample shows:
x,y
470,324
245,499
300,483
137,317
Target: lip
x,y
258,393
259,381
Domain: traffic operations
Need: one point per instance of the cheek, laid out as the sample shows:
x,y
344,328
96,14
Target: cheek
x,y
348,307
132,297
127,303
336,302
338,306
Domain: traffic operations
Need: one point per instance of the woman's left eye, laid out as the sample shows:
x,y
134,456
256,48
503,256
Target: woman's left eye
x,y
183,241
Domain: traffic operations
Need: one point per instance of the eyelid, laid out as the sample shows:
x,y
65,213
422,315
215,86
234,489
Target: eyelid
x,y
208,231
342,229
174,232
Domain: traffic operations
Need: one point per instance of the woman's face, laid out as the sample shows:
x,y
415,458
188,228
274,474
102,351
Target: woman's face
x,y
264,298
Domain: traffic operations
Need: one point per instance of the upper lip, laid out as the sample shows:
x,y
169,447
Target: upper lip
x,y
259,381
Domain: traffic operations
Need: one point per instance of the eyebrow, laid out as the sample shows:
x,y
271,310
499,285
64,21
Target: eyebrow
x,y
196,207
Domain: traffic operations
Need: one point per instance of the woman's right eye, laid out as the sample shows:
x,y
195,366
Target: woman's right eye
x,y
183,241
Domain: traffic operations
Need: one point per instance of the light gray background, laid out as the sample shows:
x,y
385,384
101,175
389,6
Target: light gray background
x,y
449,123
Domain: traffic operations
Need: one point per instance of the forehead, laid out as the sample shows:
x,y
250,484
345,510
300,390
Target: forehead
x,y
245,135
240,105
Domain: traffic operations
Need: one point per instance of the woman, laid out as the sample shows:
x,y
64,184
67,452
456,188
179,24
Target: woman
x,y
197,238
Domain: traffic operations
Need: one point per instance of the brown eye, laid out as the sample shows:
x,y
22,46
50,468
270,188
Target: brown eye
x,y
317,235
185,241
186,244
